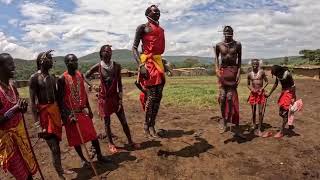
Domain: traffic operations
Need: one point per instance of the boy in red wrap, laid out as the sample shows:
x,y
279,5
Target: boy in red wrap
x,y
256,77
110,94
15,151
287,96
43,97
151,69
75,108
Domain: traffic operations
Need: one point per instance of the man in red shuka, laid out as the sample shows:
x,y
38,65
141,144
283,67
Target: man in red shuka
x,y
73,103
151,69
110,94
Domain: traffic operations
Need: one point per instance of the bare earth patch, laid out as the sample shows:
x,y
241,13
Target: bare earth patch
x,y
192,148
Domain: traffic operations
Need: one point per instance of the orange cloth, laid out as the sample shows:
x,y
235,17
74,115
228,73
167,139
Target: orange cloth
x,y
257,98
14,139
50,119
155,68
285,99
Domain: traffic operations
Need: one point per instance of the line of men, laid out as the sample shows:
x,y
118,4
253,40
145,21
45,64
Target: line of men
x,y
64,101
228,66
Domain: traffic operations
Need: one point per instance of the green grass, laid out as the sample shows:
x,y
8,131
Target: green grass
x,y
196,92
24,92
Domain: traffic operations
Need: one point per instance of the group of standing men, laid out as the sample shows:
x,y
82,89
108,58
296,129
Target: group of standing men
x,y
63,101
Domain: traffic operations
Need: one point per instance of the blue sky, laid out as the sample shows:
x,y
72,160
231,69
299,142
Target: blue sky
x,y
266,28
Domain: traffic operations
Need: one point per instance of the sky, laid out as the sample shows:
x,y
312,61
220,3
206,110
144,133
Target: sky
x,y
265,28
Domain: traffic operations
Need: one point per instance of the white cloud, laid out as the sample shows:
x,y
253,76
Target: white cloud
x,y
281,29
7,46
6,1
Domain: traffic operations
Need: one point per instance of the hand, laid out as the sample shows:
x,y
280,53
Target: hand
x,y
238,80
218,73
23,105
142,69
73,119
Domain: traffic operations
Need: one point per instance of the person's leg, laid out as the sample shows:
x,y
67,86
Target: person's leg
x,y
157,96
284,114
253,109
107,126
231,92
100,157
30,177
122,118
222,98
53,144
148,110
230,103
260,109
79,152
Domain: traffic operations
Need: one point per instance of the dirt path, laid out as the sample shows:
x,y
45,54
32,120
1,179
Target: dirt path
x,y
192,148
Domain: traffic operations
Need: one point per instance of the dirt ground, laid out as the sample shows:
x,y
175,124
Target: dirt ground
x,y
192,148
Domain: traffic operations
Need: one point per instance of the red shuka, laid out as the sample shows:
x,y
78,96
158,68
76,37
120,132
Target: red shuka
x,y
75,85
257,97
235,118
108,96
285,99
153,42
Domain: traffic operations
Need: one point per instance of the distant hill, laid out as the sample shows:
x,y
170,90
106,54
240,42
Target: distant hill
x,y
124,56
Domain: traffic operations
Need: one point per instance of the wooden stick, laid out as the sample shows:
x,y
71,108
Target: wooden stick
x,y
31,148
86,150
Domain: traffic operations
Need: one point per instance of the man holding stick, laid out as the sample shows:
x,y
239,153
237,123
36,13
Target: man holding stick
x,y
76,112
256,77
16,155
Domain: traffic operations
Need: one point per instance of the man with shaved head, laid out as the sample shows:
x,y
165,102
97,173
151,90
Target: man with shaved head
x,y
75,108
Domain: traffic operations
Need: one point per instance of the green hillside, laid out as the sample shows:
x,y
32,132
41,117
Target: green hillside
x,y
25,68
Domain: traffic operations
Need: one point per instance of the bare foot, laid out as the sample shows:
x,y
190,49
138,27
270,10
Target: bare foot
x,y
222,127
259,133
154,132
279,135
68,172
267,134
112,148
